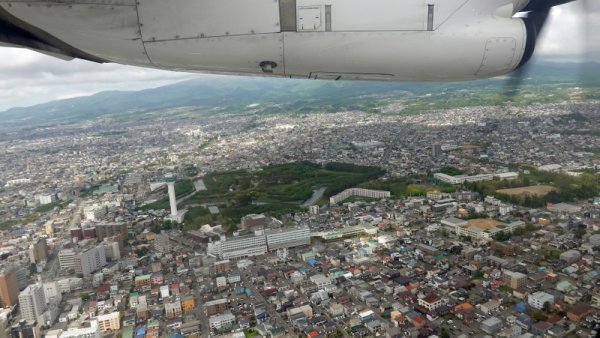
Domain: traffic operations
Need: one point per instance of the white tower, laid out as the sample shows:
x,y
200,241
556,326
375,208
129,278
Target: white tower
x,y
170,179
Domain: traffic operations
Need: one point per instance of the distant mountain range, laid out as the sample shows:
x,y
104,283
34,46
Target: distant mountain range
x,y
244,94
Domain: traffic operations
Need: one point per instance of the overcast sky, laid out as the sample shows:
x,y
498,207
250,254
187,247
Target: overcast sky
x,y
28,78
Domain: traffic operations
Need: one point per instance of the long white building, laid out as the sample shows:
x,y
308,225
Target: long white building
x,y
460,179
287,237
360,192
218,322
259,243
476,230
240,246
83,332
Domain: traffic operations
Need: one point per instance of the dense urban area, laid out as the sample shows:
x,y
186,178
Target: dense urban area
x,y
468,222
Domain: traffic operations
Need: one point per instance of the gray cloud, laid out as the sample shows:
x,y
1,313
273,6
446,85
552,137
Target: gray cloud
x,y
28,78
571,31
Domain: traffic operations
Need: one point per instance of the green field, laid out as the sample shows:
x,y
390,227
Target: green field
x,y
288,183
568,188
24,220
278,189
408,186
50,206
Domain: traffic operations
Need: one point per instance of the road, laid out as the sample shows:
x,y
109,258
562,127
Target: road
x,y
273,314
317,194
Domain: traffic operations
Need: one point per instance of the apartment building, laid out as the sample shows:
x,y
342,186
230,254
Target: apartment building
x,y
109,322
360,192
240,246
32,302
9,287
514,280
287,237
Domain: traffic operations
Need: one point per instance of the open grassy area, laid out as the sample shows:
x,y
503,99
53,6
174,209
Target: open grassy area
x,y
289,183
183,187
50,206
407,186
25,220
274,190
559,187
533,190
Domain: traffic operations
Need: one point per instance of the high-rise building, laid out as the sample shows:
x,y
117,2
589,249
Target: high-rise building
x,y
84,261
22,279
32,302
112,249
9,287
104,230
38,251
436,150
52,292
90,260
66,259
162,243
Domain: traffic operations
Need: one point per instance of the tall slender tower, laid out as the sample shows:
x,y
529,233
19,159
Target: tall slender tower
x,y
170,179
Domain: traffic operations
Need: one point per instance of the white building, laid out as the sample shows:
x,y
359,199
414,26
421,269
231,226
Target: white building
x,y
490,306
46,199
32,302
508,176
110,322
233,277
239,247
90,260
477,233
164,291
18,181
320,280
360,192
550,167
538,299
52,292
221,282
94,212
218,322
83,332
287,237
460,179
66,259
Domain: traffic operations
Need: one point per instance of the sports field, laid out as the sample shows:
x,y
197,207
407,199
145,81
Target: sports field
x,y
534,190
